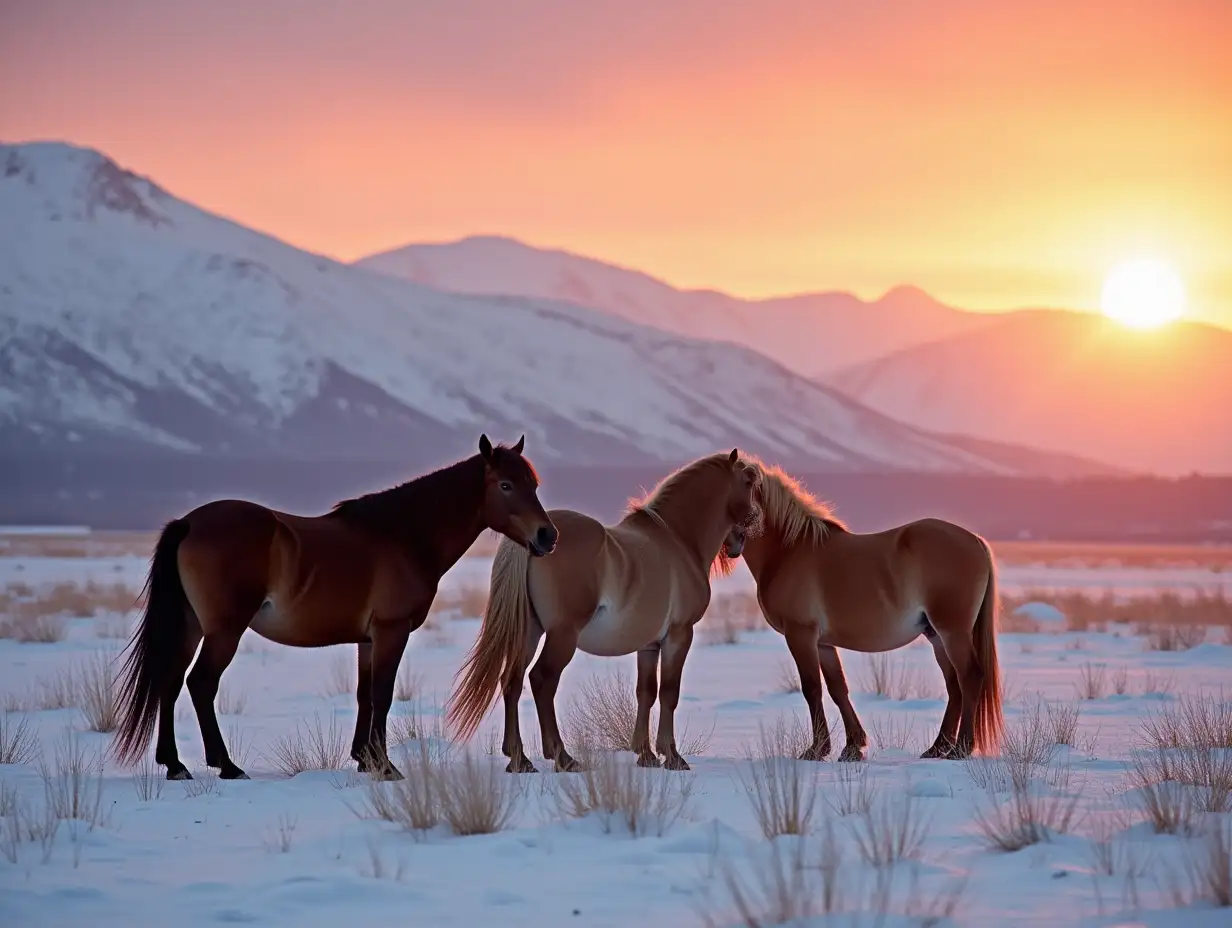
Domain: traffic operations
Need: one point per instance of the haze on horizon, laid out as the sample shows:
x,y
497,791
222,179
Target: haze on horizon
x,y
996,155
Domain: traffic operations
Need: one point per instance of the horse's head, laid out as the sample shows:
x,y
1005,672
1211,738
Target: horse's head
x,y
743,509
511,498
733,544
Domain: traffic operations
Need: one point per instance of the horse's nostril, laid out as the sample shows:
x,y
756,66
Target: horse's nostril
x,y
545,538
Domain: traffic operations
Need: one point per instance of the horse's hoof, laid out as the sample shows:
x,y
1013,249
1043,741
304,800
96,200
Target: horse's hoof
x,y
387,772
566,764
815,753
939,751
648,759
852,753
232,772
522,765
180,773
676,762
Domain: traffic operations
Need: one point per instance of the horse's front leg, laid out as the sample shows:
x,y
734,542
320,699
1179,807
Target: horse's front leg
x,y
388,644
673,651
363,707
647,692
802,643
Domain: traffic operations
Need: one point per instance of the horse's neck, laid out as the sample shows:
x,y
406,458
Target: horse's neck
x,y
760,550
701,540
447,524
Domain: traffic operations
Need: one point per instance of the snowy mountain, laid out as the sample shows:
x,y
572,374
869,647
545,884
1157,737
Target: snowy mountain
x,y
810,334
1157,401
132,322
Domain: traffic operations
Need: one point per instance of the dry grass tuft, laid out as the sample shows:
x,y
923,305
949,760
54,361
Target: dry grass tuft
x,y
148,780
604,713
892,731
641,800
409,685
1062,721
781,789
788,679
73,783
340,677
885,675
468,602
312,747
34,629
18,745
889,831
1210,867
1092,681
1161,637
204,783
1035,809
1158,684
1167,803
853,790
415,803
279,836
478,799
232,701
97,692
1166,618
1120,680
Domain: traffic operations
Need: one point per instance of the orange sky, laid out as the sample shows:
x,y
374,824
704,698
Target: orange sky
x,y
995,154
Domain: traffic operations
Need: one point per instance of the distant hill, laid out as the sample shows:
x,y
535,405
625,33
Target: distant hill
x,y
810,333
1157,401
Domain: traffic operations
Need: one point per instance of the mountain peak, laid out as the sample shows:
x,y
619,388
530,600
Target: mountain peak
x,y
80,183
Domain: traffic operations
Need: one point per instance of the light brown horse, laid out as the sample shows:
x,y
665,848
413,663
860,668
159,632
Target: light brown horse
x,y
823,587
365,573
640,585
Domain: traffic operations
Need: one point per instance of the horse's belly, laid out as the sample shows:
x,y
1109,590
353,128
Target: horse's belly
x,y
299,630
612,633
887,635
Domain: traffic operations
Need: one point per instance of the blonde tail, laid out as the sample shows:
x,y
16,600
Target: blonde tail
x,y
500,643
989,718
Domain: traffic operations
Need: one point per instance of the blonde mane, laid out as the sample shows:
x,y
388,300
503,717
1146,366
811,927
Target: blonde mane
x,y
652,503
791,510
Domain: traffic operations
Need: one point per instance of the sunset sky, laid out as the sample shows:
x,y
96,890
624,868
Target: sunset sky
x,y
996,154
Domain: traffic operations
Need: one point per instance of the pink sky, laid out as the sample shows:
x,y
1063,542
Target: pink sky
x,y
995,154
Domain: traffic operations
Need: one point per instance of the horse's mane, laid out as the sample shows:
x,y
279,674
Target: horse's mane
x,y
424,496
791,510
665,490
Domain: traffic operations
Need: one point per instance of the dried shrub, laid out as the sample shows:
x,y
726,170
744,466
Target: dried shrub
x,y
639,800
892,731
73,783
781,789
409,685
889,831
415,802
35,629
604,713
853,790
312,747
478,799
788,679
232,701
340,677
18,744
97,693
1092,681
1035,809
279,836
148,780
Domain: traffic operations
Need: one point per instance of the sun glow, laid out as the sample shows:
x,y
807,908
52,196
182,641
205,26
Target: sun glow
x,y
1143,293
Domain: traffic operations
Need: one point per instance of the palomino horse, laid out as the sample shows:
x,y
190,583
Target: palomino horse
x,y
366,572
823,587
640,585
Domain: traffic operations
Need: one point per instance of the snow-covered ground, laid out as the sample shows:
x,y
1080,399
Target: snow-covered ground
x,y
279,851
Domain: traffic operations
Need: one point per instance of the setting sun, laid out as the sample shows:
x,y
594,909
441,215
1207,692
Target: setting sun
x,y
1143,293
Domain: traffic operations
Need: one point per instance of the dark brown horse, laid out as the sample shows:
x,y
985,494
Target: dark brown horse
x,y
823,587
365,573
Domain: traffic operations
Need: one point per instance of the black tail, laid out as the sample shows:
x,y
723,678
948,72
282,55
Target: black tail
x,y
156,646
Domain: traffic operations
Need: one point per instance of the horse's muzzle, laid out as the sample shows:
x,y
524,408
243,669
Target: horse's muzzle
x,y
544,542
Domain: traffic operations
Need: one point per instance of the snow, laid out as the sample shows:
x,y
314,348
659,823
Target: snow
x,y
214,858
168,297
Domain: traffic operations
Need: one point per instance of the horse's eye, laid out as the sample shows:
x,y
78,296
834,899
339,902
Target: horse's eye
x,y
506,486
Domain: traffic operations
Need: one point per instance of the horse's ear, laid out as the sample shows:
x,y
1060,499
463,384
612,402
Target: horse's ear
x,y
485,447
734,456
517,449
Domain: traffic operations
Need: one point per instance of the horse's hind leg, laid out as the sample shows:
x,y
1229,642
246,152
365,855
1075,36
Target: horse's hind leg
x,y
363,706
961,653
944,745
217,649
675,650
647,693
512,746
165,751
802,643
558,650
836,683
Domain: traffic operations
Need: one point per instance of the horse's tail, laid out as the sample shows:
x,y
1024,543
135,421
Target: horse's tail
x,y
497,652
155,647
989,718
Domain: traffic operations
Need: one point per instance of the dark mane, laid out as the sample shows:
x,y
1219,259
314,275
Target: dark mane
x,y
398,510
